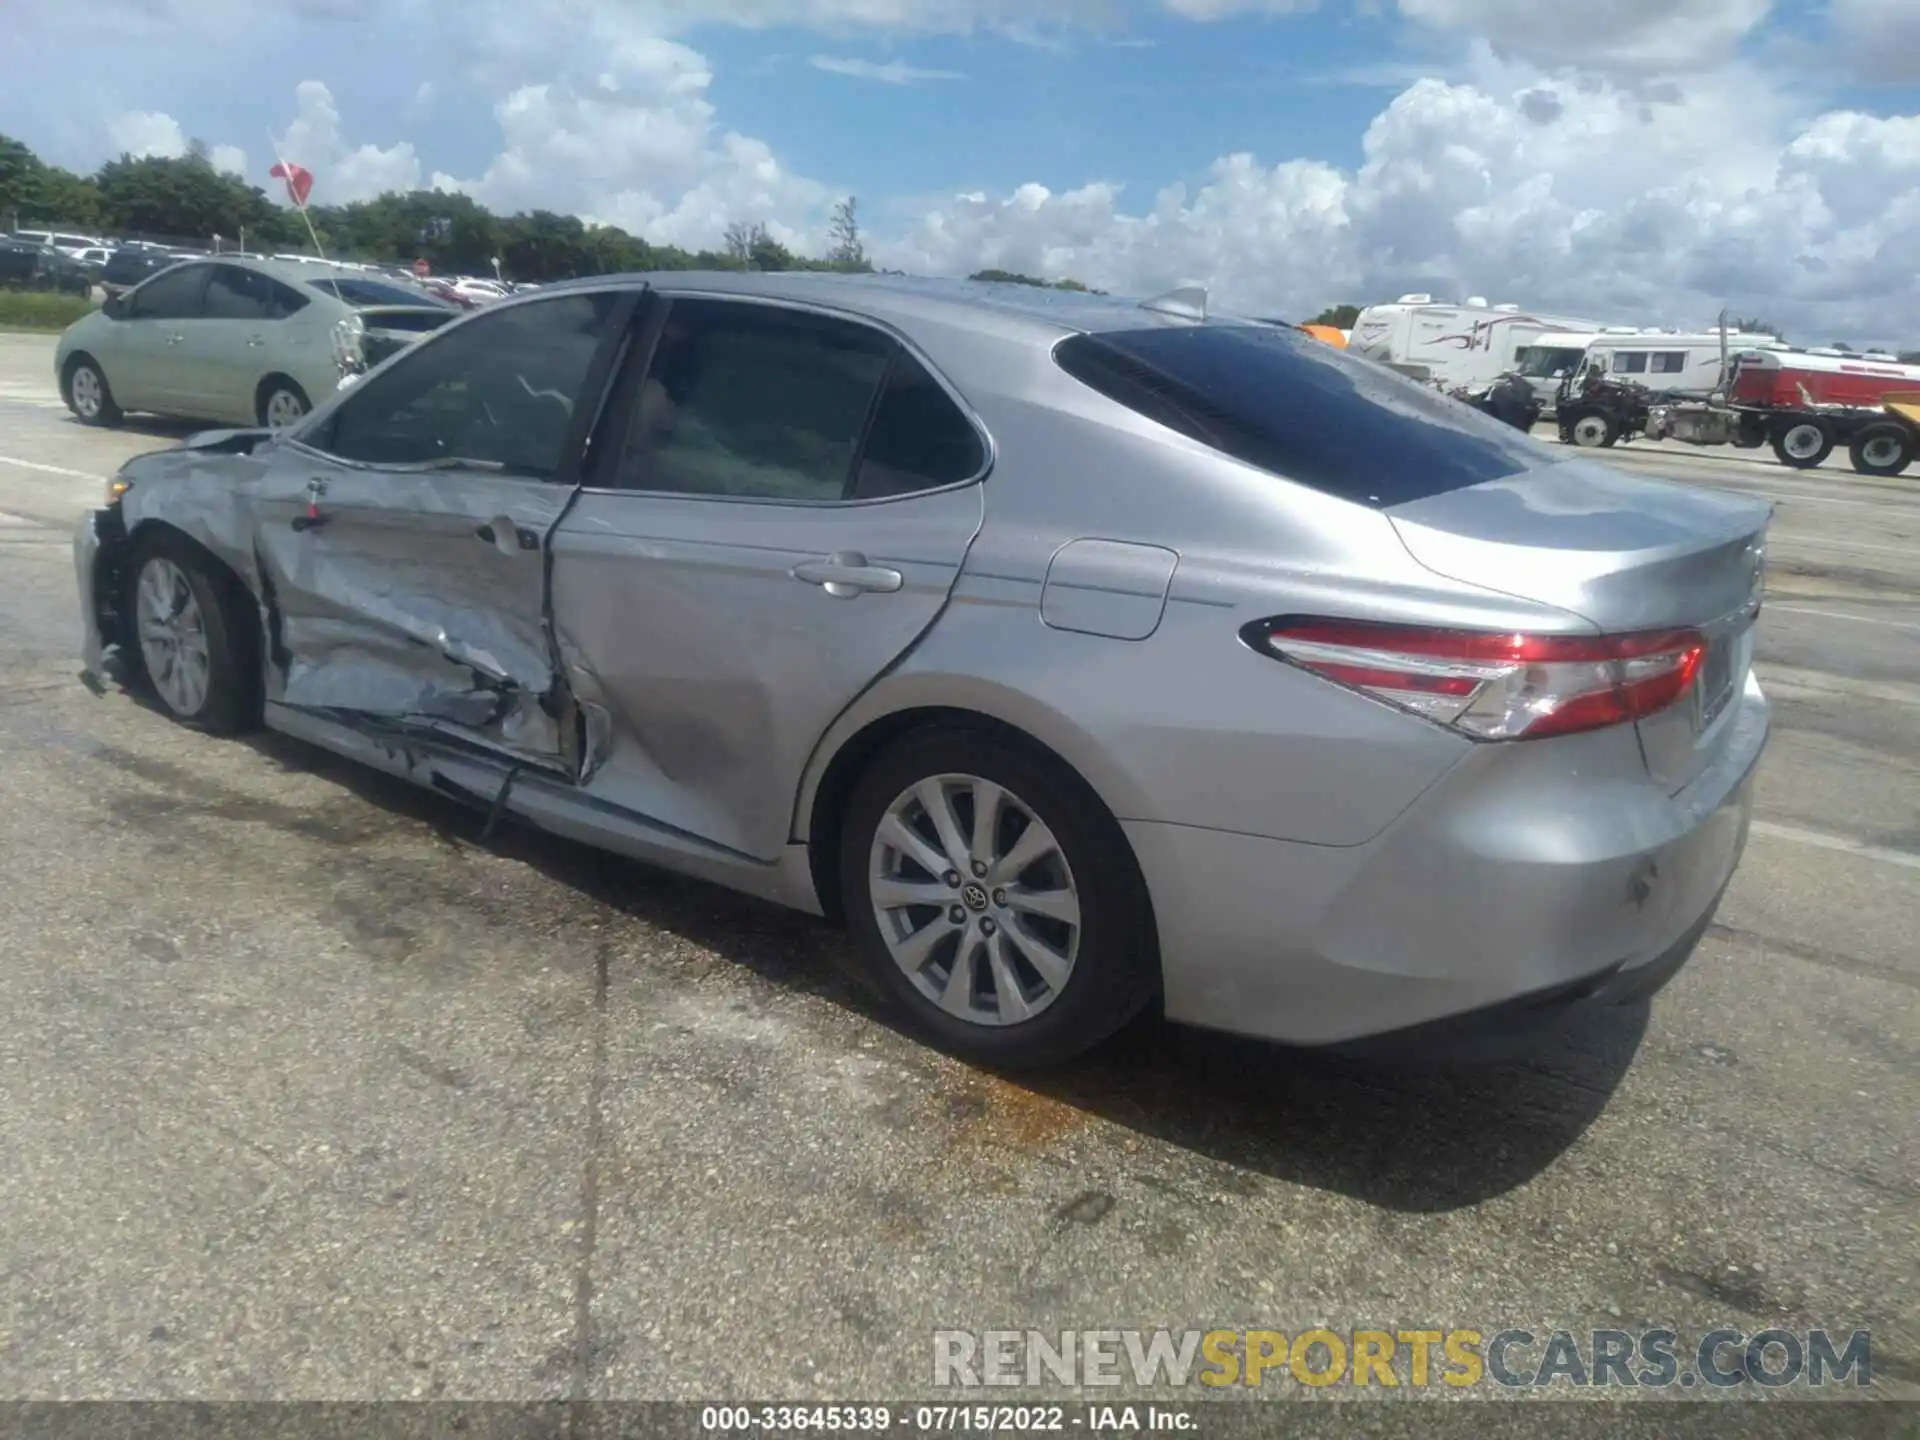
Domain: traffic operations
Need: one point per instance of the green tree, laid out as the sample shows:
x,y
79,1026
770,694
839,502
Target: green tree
x,y
845,249
1756,326
185,197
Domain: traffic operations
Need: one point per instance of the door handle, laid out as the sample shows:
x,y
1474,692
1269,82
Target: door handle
x,y
175,339
524,536
304,523
254,340
848,574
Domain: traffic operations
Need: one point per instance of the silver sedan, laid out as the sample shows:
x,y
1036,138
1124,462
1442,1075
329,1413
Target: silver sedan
x,y
1086,656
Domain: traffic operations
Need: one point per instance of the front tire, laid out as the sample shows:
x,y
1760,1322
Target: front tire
x,y
191,637
89,396
1802,444
1883,449
1592,429
995,900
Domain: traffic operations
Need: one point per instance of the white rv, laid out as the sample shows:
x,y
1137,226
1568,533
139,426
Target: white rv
x,y
1453,344
1686,362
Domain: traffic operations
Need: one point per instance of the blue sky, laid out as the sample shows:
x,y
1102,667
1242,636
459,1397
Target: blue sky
x,y
1512,145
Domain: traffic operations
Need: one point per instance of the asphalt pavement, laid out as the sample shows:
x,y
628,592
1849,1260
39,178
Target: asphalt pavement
x,y
309,1092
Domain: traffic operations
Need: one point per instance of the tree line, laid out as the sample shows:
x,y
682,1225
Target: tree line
x,y
187,198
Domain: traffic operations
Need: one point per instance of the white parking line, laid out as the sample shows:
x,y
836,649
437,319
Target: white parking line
x,y
1840,843
47,469
1837,615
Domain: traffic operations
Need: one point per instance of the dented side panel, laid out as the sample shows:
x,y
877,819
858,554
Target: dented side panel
x,y
412,596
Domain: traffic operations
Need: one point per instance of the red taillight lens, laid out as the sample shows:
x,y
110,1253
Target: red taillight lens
x,y
1497,686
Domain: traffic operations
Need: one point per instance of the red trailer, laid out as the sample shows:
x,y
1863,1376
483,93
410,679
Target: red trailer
x,y
1803,403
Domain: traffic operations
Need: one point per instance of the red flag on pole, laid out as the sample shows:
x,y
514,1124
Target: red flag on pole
x,y
299,181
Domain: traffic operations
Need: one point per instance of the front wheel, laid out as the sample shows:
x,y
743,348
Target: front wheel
x,y
1592,429
189,632
1883,449
995,900
1803,444
89,396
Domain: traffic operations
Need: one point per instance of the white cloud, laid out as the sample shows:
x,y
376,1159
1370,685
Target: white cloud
x,y
1570,194
341,174
229,158
893,72
147,134
1659,35
1878,39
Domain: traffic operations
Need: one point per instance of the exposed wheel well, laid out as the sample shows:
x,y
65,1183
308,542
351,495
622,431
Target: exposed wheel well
x,y
844,771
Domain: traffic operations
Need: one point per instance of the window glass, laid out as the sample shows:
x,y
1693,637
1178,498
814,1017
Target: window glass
x,y
753,401
500,391
1631,362
1302,410
1543,362
237,294
172,295
376,292
919,438
1669,362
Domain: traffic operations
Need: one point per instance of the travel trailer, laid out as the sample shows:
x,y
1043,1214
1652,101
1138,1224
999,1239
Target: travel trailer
x,y
1689,364
1454,345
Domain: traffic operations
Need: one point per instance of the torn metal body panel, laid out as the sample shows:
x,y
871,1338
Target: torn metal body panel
x,y
415,595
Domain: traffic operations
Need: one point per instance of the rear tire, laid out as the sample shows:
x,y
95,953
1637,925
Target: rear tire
x,y
192,637
1046,909
281,403
89,396
1802,444
1883,449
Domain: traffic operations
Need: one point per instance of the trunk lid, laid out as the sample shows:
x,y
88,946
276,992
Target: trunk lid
x,y
1625,553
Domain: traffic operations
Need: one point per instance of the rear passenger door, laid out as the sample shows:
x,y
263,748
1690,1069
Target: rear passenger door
x,y
778,511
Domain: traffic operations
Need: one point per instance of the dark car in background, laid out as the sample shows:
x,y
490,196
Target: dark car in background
x,y
130,264
28,265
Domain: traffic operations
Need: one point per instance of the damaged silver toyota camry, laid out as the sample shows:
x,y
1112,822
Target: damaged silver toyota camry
x,y
1084,655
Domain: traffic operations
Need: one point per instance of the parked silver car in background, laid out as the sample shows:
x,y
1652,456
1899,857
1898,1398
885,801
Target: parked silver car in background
x,y
236,341
1084,655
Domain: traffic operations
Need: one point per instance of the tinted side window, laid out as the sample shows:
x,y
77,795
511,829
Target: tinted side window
x,y
1633,362
236,294
1669,362
1303,410
753,401
919,438
501,390
174,295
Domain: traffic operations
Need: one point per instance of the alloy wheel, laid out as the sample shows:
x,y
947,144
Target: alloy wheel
x,y
173,636
283,409
975,900
85,389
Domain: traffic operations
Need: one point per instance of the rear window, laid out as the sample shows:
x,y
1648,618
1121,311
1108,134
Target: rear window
x,y
374,292
1302,409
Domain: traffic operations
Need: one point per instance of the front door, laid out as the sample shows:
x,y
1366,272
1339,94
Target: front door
x,y
779,513
147,367
402,534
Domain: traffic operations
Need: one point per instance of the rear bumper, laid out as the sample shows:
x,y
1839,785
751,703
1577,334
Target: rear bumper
x,y
1511,892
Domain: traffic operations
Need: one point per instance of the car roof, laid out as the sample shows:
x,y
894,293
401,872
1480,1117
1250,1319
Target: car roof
x,y
294,272
1047,311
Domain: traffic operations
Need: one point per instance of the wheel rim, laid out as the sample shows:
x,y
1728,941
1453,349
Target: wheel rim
x,y
1589,430
283,408
86,391
1882,452
975,900
1803,442
173,636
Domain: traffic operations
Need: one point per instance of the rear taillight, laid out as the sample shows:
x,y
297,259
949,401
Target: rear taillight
x,y
1495,686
